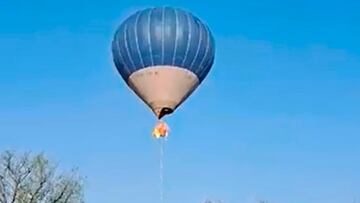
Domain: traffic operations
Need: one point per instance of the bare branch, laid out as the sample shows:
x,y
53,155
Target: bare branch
x,y
37,190
67,198
9,166
62,193
3,189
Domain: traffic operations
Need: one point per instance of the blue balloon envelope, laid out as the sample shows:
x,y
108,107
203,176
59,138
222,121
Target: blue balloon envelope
x,y
163,54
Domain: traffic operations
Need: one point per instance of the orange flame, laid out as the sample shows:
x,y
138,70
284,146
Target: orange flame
x,y
161,130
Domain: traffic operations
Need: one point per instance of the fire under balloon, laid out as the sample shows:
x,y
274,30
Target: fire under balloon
x,y
161,130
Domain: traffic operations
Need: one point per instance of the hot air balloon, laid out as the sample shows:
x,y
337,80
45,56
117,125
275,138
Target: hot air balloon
x,y
163,54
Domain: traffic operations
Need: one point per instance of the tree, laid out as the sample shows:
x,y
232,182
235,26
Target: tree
x,y
28,178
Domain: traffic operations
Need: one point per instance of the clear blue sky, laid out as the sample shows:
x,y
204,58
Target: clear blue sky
x,y
278,117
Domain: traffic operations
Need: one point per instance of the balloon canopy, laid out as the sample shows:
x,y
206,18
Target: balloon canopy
x,y
163,54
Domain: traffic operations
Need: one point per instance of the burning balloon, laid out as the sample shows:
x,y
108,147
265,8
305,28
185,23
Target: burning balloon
x,y
163,55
